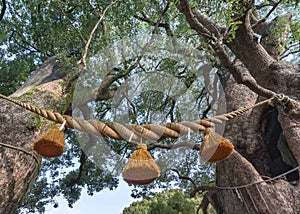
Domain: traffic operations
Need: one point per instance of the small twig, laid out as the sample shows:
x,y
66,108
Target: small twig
x,y
184,177
125,94
174,146
268,14
80,35
166,26
196,188
262,5
289,53
93,31
24,41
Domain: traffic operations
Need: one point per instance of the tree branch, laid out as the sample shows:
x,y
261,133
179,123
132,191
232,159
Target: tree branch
x,y
102,92
290,50
242,76
184,7
207,23
174,146
24,41
166,26
184,177
255,59
93,31
275,5
3,9
77,31
200,188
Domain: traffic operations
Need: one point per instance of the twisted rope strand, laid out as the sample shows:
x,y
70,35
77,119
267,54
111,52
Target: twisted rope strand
x,y
135,133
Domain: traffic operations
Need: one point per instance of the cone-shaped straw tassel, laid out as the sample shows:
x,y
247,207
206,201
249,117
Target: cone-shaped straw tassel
x,y
141,168
214,147
51,144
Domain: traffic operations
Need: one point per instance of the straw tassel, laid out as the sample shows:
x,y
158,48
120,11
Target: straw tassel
x,y
52,143
141,168
214,147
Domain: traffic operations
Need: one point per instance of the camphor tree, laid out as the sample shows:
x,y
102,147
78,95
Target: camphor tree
x,y
47,46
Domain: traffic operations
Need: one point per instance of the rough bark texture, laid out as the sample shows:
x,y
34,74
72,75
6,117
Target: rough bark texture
x,y
252,166
254,160
19,164
255,75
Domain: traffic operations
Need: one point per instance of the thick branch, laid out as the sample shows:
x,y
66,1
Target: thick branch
x,y
255,61
242,76
213,27
184,7
247,49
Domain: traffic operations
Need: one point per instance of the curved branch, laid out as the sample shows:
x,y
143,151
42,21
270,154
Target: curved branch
x,y
166,26
3,9
184,7
93,31
23,39
268,14
184,177
242,76
196,188
255,59
210,25
200,188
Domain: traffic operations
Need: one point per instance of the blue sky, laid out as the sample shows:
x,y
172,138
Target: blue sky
x,y
111,202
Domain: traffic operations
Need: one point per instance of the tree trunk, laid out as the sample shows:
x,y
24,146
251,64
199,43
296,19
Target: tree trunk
x,y
259,134
240,179
19,164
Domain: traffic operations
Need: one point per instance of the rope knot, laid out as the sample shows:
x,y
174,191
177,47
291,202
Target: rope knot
x,y
279,100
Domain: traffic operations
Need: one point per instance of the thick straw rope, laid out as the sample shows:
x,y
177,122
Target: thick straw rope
x,y
137,133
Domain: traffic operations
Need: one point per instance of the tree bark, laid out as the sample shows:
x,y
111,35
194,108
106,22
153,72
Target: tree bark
x,y
241,188
249,169
19,164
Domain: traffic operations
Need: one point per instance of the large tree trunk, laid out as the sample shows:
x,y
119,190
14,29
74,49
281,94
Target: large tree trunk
x,y
242,176
257,136
19,164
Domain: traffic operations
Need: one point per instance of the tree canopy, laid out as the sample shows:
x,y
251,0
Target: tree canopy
x,y
79,33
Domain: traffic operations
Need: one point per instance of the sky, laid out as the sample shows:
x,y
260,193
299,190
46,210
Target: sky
x,y
108,202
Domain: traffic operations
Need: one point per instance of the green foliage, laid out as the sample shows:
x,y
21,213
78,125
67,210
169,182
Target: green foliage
x,y
55,180
167,202
31,31
275,36
13,75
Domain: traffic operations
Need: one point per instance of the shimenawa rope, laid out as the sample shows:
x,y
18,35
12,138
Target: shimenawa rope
x,y
137,133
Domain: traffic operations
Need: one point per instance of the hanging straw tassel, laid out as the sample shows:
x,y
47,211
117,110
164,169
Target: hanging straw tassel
x,y
141,168
52,143
214,147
